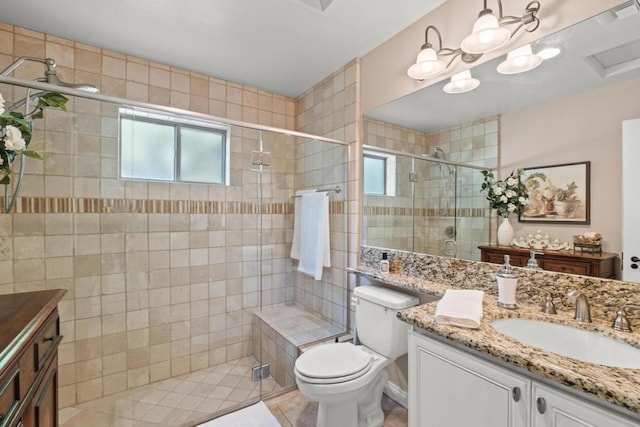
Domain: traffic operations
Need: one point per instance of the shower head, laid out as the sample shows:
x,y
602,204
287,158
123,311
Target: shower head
x,y
50,75
437,153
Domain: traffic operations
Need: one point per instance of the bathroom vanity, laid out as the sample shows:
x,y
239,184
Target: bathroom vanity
x,y
449,386
460,376
586,264
29,339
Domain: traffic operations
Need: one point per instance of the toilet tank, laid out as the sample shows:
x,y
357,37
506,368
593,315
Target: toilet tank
x,y
376,324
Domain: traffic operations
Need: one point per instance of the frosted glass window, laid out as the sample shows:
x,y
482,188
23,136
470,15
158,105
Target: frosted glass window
x,y
147,150
158,146
374,174
201,156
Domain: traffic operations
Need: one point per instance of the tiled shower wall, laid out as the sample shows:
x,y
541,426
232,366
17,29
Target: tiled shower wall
x,y
161,278
388,220
331,109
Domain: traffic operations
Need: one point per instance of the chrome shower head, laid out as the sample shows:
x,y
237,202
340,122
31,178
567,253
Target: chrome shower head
x,y
52,78
437,153
50,75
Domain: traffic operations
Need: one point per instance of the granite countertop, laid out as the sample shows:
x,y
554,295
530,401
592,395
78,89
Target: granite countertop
x,y
618,386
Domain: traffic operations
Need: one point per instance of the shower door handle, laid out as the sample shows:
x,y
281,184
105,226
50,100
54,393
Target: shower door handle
x,y
450,248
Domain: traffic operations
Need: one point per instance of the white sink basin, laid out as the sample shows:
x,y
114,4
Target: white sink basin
x,y
586,346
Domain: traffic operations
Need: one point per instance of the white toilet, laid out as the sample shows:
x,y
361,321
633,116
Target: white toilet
x,y
347,380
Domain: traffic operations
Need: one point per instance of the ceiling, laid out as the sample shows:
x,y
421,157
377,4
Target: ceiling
x,y
600,51
281,46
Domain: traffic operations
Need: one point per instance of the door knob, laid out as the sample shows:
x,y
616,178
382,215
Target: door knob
x,y
635,259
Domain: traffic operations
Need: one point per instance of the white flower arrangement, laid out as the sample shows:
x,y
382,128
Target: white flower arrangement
x,y
15,131
508,196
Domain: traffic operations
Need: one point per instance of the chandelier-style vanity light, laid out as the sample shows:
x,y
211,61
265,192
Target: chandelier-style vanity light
x,y
520,60
428,64
461,83
489,33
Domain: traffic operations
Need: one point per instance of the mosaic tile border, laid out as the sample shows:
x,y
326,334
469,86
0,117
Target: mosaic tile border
x,y
425,212
65,205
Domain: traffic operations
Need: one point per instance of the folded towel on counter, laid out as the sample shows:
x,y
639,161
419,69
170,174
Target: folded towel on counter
x,y
460,308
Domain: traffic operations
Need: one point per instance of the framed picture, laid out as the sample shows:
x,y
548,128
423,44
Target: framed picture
x,y
557,194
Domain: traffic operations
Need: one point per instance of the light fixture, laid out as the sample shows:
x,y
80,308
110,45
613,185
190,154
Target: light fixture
x,y
428,64
461,83
519,60
489,32
549,52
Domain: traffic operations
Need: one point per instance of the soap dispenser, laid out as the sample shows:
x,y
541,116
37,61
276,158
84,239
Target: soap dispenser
x,y
384,264
532,263
507,281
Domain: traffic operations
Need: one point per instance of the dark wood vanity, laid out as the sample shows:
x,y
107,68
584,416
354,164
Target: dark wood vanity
x,y
585,264
29,339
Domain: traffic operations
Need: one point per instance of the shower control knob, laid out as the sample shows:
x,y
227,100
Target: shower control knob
x,y
635,259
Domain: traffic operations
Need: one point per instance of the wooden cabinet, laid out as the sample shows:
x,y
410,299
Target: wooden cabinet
x,y
450,388
454,388
29,339
585,264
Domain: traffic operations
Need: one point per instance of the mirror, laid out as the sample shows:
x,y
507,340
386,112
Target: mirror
x,y
424,205
601,52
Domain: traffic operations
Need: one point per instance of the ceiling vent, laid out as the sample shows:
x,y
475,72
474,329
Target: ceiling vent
x,y
616,60
625,9
317,5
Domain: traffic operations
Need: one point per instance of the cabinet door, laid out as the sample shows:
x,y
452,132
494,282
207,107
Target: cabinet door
x,y
552,408
450,388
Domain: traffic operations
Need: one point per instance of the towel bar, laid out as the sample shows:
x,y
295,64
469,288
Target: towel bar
x,y
335,189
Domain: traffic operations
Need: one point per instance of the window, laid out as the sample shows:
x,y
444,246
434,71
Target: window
x,y
375,174
378,173
159,146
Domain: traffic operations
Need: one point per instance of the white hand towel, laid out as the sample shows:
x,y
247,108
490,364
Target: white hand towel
x,y
314,234
297,223
460,308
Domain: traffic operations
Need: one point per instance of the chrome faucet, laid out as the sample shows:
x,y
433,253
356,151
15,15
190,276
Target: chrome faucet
x,y
547,306
583,314
621,323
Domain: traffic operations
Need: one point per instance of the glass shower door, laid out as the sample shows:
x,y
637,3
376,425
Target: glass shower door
x,y
435,204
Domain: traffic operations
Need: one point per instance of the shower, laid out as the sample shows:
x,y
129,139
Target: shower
x,y
50,77
445,172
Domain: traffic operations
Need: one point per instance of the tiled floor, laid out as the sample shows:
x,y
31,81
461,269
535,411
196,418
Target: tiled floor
x,y
181,401
294,409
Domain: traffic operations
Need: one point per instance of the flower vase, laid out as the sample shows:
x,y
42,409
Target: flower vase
x,y
505,232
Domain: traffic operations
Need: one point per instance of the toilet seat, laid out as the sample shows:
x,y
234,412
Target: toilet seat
x,y
333,363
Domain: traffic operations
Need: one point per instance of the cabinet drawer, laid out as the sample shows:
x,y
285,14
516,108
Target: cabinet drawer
x,y
46,341
573,268
9,396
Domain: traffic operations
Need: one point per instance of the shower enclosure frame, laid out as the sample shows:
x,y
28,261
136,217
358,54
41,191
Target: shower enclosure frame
x,y
432,159
34,84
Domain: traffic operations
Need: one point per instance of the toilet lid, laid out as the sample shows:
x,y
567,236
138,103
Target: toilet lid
x,y
335,360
